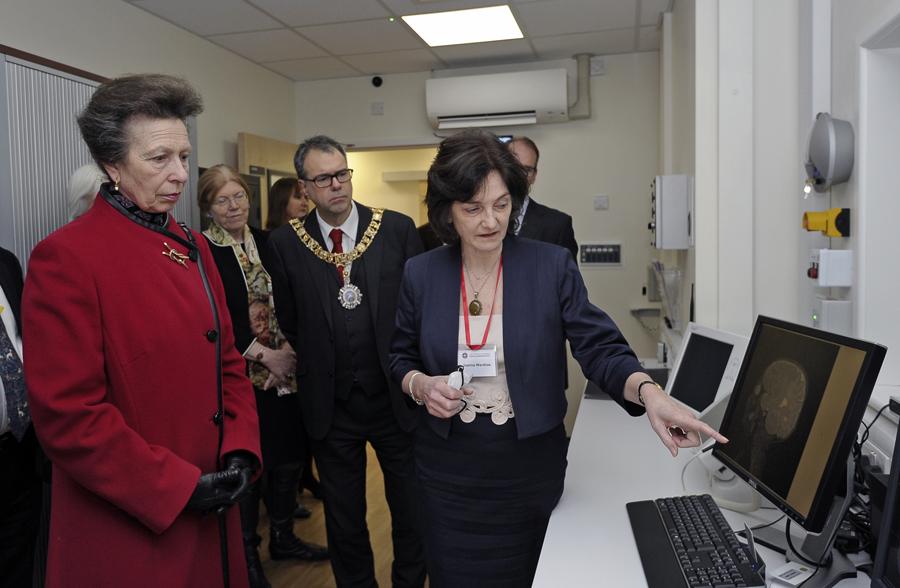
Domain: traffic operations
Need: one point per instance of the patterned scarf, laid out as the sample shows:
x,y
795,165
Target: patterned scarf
x,y
263,323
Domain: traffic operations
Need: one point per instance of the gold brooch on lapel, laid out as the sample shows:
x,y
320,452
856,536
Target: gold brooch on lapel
x,y
175,255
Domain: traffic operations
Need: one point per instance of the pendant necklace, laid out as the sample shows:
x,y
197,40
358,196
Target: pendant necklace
x,y
475,306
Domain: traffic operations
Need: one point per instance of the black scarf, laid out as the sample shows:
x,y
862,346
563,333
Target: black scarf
x,y
157,218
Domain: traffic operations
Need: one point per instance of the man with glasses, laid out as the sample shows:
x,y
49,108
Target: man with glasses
x,y
336,278
537,221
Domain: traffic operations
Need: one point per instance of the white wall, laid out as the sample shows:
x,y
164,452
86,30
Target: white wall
x,y
746,157
613,153
777,181
340,108
111,37
865,89
763,70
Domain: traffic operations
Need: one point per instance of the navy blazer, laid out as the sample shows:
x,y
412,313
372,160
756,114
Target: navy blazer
x,y
545,303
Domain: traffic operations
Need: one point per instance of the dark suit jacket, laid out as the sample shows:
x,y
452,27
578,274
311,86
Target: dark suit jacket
x,y
549,225
11,282
20,476
303,306
544,304
430,240
236,286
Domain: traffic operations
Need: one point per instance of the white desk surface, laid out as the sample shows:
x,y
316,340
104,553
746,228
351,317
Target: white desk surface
x,y
615,459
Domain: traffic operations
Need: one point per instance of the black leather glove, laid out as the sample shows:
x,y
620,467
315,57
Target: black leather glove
x,y
214,490
244,465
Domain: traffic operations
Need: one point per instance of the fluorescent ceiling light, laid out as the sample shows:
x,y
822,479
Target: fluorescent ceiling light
x,y
477,25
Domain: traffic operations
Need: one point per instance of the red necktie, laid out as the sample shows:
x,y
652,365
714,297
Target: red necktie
x,y
337,238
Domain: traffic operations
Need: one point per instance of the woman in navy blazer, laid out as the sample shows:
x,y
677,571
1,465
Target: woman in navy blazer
x,y
491,456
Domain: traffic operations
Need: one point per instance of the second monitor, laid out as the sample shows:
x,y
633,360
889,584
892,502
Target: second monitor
x,y
705,371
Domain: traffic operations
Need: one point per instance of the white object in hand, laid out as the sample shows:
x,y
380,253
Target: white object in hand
x,y
455,380
458,379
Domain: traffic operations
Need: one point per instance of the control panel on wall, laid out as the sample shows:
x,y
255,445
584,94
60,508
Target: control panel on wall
x,y
599,254
671,212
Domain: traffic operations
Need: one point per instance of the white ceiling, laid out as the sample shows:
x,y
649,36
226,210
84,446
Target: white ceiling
x,y
320,39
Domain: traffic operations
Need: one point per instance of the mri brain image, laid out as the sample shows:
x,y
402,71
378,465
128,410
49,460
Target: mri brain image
x,y
779,396
782,393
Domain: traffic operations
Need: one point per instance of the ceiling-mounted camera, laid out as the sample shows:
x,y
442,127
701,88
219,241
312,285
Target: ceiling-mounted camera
x,y
377,81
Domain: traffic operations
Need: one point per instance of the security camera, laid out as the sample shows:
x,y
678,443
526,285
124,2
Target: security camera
x,y
377,81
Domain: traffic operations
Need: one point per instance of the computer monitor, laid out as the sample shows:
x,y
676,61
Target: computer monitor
x,y
705,371
886,565
794,413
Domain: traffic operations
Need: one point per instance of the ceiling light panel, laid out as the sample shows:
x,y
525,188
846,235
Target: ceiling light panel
x,y
476,25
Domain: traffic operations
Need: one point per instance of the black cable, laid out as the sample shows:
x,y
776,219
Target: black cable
x,y
787,533
865,435
769,524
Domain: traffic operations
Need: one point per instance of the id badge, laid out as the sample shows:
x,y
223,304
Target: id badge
x,y
480,363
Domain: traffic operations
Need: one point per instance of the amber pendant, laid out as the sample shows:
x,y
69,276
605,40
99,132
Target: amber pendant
x,y
475,307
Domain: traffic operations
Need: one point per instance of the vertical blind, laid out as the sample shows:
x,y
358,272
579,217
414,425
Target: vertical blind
x,y
40,147
43,148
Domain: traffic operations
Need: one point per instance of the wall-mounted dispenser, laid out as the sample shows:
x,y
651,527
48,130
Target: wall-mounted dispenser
x,y
829,153
834,222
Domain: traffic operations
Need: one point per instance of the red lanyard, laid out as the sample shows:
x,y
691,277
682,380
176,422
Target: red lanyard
x,y
462,277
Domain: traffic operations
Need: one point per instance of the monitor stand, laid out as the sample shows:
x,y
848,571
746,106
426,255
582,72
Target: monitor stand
x,y
837,566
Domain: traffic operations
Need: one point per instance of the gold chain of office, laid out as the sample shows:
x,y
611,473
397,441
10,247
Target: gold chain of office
x,y
340,258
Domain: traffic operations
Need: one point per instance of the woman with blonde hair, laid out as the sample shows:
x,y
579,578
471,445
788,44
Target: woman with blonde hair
x,y
241,253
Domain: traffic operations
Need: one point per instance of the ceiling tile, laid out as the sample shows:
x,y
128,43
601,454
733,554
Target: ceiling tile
x,y
648,38
394,61
279,45
317,68
602,43
368,36
210,17
485,53
313,12
560,17
650,10
407,7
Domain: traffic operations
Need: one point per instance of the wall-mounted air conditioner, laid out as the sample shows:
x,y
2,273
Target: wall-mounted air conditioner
x,y
514,98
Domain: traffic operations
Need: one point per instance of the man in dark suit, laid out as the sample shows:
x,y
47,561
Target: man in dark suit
x,y
536,220
20,486
336,278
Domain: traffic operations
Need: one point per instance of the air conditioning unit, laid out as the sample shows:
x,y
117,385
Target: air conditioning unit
x,y
514,98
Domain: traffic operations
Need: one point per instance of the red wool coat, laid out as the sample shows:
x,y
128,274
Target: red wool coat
x,y
122,386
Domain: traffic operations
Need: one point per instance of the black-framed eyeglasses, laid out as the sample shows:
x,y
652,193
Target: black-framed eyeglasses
x,y
324,180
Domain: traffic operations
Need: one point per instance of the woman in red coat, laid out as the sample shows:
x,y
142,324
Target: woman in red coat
x,y
137,392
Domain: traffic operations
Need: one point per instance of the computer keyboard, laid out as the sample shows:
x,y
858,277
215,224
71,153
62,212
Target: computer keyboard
x,y
685,541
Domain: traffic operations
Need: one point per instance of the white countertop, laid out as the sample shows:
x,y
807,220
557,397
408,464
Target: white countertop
x,y
615,459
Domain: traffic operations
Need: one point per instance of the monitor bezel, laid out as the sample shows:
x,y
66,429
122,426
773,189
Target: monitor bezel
x,y
832,477
738,345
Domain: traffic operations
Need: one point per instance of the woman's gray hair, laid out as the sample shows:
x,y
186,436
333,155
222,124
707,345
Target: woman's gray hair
x,y
115,103
83,187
